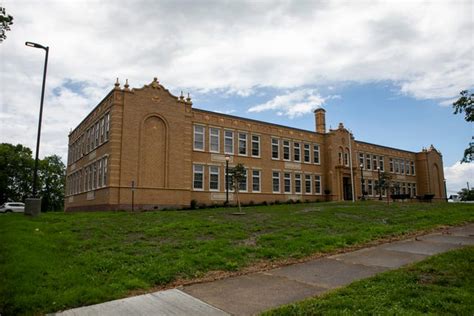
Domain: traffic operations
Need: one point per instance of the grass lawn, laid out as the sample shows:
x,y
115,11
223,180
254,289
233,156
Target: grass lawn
x,y
440,285
59,261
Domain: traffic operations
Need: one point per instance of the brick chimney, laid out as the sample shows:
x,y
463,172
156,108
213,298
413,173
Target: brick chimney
x,y
320,120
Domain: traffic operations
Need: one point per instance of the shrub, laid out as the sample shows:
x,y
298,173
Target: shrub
x,y
264,203
193,204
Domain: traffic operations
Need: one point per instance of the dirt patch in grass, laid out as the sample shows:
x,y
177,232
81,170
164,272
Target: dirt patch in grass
x,y
309,210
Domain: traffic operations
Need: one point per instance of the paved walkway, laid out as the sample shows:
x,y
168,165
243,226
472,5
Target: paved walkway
x,y
257,292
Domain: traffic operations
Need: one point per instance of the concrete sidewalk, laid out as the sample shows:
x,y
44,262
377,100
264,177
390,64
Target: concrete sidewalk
x,y
257,292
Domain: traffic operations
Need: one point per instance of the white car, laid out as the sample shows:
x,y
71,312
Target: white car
x,y
16,207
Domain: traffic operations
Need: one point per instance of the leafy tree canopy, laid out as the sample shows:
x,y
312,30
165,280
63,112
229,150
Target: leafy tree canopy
x,y
5,21
465,105
466,195
16,177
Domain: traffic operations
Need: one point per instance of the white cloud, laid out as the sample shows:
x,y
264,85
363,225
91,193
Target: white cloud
x,y
458,175
292,104
425,47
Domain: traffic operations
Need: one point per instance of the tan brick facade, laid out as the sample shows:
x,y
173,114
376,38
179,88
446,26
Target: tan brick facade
x,y
154,147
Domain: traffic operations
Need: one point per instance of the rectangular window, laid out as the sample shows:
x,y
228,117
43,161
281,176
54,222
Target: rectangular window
x,y
316,154
361,160
276,182
255,146
397,166
297,183
214,140
198,177
374,162
83,141
306,153
256,180
243,183
340,158
91,176
413,189
243,144
213,178
96,134
368,164
402,166
87,140
346,159
229,142
94,176
412,165
317,184
391,164
275,148
370,189
381,164
307,184
287,182
286,150
100,174
92,137
199,137
107,126
102,130
86,178
296,152
105,171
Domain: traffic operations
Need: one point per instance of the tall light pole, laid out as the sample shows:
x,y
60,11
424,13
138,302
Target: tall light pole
x,y
35,174
362,180
227,180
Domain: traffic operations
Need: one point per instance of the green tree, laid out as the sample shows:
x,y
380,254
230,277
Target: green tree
x,y
384,185
16,172
52,177
466,195
16,177
465,104
5,21
237,179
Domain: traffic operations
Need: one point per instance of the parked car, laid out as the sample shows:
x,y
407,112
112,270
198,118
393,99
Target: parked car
x,y
454,198
16,207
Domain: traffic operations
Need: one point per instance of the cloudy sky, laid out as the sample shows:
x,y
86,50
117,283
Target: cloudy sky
x,y
389,70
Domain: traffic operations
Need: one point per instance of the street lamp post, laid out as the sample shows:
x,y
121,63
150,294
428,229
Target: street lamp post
x,y
227,180
35,174
362,181
380,184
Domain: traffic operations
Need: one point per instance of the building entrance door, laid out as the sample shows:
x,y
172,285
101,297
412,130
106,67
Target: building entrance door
x,y
347,188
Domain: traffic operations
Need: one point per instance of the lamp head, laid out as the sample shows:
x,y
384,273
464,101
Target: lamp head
x,y
35,45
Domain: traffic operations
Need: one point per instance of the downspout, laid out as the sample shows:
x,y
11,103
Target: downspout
x,y
350,166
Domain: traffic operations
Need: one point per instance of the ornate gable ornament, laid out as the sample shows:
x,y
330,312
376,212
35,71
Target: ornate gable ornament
x,y
155,84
